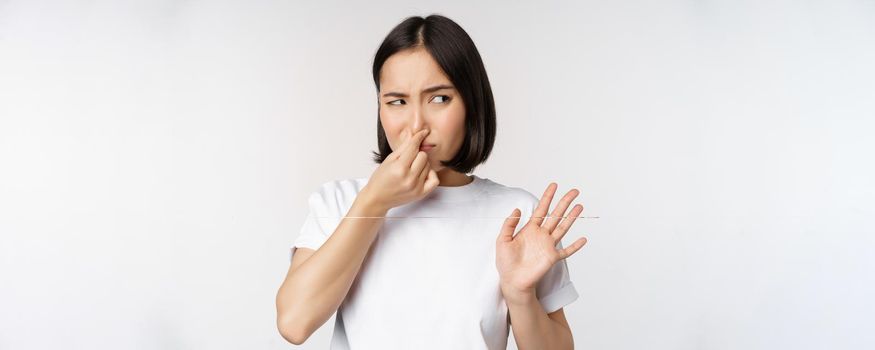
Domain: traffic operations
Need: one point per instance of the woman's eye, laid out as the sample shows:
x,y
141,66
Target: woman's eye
x,y
445,98
393,102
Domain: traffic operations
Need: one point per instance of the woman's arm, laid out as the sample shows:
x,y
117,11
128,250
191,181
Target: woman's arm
x,y
317,283
315,287
533,328
524,258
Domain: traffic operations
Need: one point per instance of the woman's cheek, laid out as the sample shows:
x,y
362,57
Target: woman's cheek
x,y
393,136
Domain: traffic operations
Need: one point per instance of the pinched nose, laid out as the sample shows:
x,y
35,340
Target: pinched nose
x,y
410,135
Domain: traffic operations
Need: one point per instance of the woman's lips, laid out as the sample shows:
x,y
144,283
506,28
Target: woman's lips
x,y
426,147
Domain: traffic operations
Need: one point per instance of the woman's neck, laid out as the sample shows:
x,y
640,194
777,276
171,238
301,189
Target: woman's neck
x,y
451,178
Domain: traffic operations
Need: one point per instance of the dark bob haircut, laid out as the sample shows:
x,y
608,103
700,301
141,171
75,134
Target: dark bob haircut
x,y
457,56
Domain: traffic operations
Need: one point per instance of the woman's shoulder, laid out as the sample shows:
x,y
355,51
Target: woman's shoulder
x,y
512,193
344,185
340,192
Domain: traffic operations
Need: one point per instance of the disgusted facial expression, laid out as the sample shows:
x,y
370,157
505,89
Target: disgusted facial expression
x,y
416,94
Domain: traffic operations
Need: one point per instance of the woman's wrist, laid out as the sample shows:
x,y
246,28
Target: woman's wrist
x,y
516,295
518,298
368,204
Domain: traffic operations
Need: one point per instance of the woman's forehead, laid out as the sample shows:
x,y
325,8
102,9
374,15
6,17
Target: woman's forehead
x,y
408,69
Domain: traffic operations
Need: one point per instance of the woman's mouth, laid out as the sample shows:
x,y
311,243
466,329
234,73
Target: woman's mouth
x,y
425,147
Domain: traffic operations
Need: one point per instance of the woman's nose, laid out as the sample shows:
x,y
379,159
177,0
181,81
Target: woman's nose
x,y
417,122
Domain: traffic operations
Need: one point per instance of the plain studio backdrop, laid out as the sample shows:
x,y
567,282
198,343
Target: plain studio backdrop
x,y
156,157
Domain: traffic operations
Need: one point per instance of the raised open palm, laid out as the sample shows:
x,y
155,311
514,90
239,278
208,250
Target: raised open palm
x,y
523,259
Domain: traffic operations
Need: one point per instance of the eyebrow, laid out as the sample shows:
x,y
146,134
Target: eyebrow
x,y
427,90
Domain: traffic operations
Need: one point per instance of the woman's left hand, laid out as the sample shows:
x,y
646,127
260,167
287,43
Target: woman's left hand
x,y
522,260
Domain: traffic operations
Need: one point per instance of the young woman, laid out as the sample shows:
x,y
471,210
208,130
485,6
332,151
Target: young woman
x,y
444,276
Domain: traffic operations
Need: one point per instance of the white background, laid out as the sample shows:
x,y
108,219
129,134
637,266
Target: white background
x,y
156,157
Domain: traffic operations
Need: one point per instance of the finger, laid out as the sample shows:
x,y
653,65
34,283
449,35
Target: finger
x,y
544,204
573,248
509,226
563,228
411,146
560,209
419,162
433,180
398,151
423,173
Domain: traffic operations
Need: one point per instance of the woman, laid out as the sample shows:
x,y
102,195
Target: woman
x,y
445,276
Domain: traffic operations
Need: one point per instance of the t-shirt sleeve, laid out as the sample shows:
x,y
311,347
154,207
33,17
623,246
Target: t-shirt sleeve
x,y
555,289
322,219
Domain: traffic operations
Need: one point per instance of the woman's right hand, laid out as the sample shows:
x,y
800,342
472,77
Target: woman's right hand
x,y
404,176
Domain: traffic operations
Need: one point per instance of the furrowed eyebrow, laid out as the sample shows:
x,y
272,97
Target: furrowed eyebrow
x,y
427,90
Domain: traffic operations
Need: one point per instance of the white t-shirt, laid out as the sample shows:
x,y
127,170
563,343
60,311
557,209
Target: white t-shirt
x,y
430,283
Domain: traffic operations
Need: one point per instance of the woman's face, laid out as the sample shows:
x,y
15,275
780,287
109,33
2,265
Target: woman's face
x,y
415,94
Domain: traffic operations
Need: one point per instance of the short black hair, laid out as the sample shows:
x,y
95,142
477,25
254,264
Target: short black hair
x,y
457,55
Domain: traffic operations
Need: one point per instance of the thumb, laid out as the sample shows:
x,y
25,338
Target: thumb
x,y
509,226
